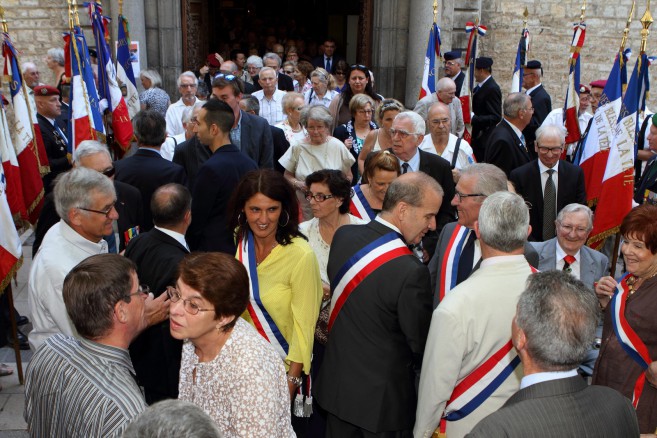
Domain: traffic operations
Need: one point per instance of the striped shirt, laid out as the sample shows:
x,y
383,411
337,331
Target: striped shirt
x,y
79,388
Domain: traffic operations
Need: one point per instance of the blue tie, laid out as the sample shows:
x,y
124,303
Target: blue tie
x,y
476,88
328,65
111,243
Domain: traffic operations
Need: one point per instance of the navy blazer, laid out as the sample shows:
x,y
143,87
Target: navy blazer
x,y
504,149
542,104
487,107
56,150
256,140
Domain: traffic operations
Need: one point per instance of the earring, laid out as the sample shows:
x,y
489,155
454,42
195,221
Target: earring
x,y
286,222
239,220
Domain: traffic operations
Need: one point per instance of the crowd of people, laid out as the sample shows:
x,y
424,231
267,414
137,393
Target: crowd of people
x,y
297,255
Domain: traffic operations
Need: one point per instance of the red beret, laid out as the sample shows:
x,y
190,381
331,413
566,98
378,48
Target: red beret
x,y
212,61
584,89
45,90
600,83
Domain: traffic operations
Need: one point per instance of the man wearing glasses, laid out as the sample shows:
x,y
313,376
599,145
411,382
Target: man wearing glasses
x,y
445,93
548,184
187,85
541,101
453,71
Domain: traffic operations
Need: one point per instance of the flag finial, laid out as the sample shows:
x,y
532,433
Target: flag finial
x,y
626,31
646,21
583,9
5,29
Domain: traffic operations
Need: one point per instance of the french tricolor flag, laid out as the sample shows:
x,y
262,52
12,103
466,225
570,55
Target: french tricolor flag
x,y
433,53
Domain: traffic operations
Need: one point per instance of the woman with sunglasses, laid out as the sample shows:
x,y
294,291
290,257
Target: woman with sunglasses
x,y
226,368
358,83
292,104
340,75
286,286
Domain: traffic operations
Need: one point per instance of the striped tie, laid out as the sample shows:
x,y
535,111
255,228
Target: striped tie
x,y
549,207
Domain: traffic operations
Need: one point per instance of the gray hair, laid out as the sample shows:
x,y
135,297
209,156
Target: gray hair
x,y
552,131
418,122
186,74
490,178
251,103
504,221
411,189
558,315
255,60
289,98
274,56
513,103
87,148
57,55
188,112
318,113
77,188
445,82
172,419
153,76
266,69
28,65
576,208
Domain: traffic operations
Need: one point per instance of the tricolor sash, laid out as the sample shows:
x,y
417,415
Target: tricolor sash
x,y
629,340
262,320
449,267
360,265
359,206
472,391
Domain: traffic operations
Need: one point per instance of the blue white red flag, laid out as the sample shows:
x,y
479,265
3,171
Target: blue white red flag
x,y
11,254
474,29
14,193
521,61
124,71
571,104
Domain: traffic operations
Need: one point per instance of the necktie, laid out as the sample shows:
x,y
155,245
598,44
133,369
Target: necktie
x,y
523,142
111,243
567,261
405,167
328,65
466,259
476,88
549,207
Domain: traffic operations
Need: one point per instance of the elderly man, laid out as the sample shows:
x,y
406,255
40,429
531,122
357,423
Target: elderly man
x,y
367,381
85,386
540,101
173,419
31,74
445,93
407,134
444,143
548,183
471,328
155,354
272,60
553,327
453,63
187,84
486,106
249,132
49,108
506,146
270,97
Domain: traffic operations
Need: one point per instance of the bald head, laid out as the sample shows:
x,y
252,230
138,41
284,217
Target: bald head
x,y
439,120
228,67
446,90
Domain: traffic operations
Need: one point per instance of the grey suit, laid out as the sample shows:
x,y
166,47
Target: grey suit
x,y
455,113
564,408
256,141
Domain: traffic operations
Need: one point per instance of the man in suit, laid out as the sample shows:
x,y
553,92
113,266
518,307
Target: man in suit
x,y
191,154
553,327
646,187
249,133
328,59
445,93
540,101
94,155
368,378
548,183
407,134
284,82
472,327
567,252
146,169
49,109
506,147
155,354
486,106
453,63
216,180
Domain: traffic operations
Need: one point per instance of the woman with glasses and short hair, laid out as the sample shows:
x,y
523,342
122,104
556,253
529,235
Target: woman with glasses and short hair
x,y
380,139
227,369
359,82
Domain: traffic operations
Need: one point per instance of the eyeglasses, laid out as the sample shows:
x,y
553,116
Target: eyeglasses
x,y
187,85
341,73
288,72
569,229
554,150
402,134
109,172
143,289
462,196
440,121
320,197
362,111
225,76
359,66
189,306
531,108
105,212
450,64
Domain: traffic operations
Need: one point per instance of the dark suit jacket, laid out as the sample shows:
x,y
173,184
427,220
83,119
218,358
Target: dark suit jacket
x,y
285,82
256,140
564,408
542,106
147,170
128,205
459,83
215,183
487,107
367,377
56,150
504,149
318,61
191,155
281,145
648,181
154,353
527,181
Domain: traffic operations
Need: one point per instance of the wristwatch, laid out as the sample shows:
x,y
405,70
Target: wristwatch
x,y
296,381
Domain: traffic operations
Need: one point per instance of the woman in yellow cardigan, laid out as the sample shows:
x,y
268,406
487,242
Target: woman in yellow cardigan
x,y
285,283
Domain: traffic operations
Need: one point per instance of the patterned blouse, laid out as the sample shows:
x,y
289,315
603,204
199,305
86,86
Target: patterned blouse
x,y
243,389
156,99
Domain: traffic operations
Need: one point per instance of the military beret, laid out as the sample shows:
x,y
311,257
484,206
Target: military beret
x,y
483,62
654,120
92,52
600,83
212,61
534,65
454,54
45,90
584,89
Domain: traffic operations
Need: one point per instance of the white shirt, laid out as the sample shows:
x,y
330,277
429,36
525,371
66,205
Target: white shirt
x,y
180,238
516,130
574,267
169,146
310,97
546,376
465,157
542,168
532,88
271,109
413,163
174,117
61,250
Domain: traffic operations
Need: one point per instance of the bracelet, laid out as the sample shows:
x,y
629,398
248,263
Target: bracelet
x,y
296,381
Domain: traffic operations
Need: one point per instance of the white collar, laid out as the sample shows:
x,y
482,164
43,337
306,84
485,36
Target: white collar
x,y
382,221
180,238
533,379
542,168
560,253
496,260
515,128
533,88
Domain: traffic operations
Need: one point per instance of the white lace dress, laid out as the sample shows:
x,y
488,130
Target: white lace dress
x,y
243,389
